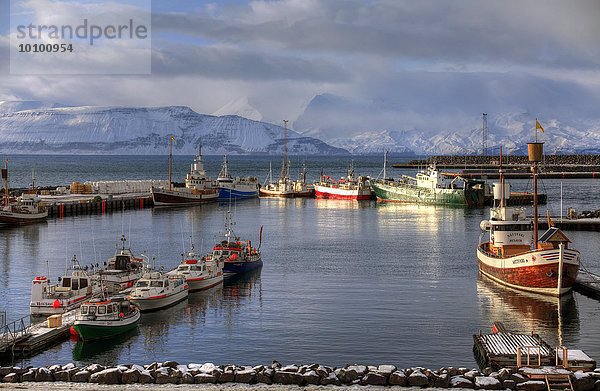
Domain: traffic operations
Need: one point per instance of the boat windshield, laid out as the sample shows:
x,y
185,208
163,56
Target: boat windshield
x,y
183,268
156,284
102,310
92,310
84,309
141,284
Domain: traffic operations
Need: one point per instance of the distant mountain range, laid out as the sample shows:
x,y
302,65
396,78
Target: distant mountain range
x,y
37,127
330,125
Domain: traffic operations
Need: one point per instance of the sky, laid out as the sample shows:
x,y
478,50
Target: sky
x,y
416,62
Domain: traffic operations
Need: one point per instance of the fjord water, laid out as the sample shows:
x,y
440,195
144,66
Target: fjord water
x,y
342,282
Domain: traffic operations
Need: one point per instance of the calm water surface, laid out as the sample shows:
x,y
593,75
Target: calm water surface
x,y
342,281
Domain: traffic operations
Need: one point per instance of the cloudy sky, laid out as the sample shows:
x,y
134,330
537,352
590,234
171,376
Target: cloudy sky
x,y
449,60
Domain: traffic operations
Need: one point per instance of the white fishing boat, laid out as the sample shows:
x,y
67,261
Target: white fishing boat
x,y
26,209
156,290
199,273
101,319
199,188
71,290
122,270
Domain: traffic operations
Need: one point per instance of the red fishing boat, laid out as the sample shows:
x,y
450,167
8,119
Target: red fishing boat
x,y
515,255
347,188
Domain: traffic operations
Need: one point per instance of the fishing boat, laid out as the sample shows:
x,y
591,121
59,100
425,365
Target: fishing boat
x,y
199,274
100,319
515,255
71,290
237,256
156,290
237,188
347,188
431,187
122,270
198,189
284,186
26,209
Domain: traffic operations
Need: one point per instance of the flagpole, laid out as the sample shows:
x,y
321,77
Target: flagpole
x,y
535,129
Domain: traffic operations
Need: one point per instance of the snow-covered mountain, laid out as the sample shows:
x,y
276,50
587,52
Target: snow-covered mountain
x,y
122,130
367,127
240,107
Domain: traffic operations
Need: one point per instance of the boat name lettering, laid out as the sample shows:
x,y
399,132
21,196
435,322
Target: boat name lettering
x,y
520,260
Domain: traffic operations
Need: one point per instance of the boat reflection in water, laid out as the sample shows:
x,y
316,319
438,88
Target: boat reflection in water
x,y
241,286
555,320
104,352
328,203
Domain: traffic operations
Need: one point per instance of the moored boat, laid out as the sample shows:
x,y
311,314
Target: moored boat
x,y
515,256
199,274
236,188
156,290
199,188
431,187
26,209
285,187
122,270
237,256
71,290
100,319
347,188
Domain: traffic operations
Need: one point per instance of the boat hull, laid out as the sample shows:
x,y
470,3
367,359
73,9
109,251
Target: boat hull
x,y
12,218
412,194
286,194
90,330
534,271
163,197
343,194
231,268
158,302
226,193
199,284
46,307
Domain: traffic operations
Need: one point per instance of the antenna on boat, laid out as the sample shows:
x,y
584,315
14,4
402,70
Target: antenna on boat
x,y
385,153
501,180
284,166
171,138
5,177
128,234
93,243
535,151
182,240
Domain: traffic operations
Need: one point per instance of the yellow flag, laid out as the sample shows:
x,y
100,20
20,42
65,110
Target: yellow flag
x,y
538,126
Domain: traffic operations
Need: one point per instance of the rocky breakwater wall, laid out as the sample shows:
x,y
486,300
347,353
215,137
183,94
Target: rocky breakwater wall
x,y
170,372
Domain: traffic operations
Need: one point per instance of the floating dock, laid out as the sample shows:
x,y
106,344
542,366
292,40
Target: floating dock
x,y
500,350
588,284
25,339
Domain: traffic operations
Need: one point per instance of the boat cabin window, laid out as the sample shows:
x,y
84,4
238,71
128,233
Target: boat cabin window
x,y
141,284
225,253
66,282
121,262
109,309
83,283
197,268
167,283
92,310
75,285
156,284
84,309
182,268
512,227
101,310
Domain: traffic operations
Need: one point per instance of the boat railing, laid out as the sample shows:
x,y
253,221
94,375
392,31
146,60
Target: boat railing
x,y
14,331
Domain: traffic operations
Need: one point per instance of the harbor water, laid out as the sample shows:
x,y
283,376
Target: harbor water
x,y
342,282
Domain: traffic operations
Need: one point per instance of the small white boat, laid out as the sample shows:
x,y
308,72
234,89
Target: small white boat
x,y
199,274
70,291
156,290
122,270
99,319
26,209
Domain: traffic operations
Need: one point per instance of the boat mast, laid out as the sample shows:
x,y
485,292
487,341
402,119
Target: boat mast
x,y
501,180
5,177
385,152
284,166
171,162
535,151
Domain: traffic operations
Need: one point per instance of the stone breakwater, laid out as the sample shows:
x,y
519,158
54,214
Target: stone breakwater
x,y
170,372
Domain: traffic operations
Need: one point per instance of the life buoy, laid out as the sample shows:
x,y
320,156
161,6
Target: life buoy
x,y
56,304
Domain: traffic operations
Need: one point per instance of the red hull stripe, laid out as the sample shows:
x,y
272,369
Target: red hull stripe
x,y
332,196
539,276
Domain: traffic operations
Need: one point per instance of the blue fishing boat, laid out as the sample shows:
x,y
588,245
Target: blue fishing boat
x,y
237,256
235,188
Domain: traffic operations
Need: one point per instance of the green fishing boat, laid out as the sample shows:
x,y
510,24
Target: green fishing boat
x,y
99,319
431,187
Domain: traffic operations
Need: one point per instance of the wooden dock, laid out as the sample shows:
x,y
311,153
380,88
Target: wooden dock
x,y
501,350
30,338
588,284
94,203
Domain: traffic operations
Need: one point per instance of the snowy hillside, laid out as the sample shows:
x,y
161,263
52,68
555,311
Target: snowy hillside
x,y
240,107
121,130
366,127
